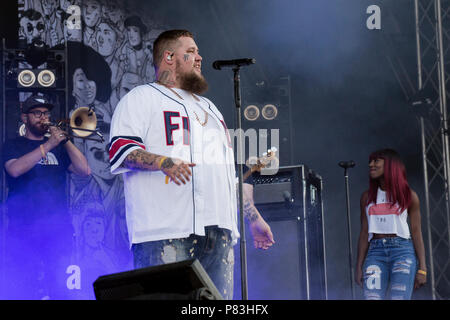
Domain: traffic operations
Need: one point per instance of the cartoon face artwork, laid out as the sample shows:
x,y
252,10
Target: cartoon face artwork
x,y
93,231
49,7
106,39
84,90
91,12
134,35
32,28
112,11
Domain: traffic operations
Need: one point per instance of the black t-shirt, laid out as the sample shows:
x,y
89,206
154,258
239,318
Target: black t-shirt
x,y
39,195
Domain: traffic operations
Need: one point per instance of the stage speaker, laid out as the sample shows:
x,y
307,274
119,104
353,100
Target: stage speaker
x,y
267,110
185,280
294,268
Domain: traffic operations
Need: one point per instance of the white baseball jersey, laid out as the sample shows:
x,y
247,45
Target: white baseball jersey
x,y
153,118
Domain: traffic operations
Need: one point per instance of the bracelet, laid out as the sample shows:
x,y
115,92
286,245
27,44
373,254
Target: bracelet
x,y
161,161
422,272
44,155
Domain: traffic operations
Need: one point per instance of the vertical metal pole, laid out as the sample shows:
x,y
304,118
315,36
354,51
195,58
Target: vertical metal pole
x,y
427,208
424,154
305,233
443,106
240,156
350,251
324,241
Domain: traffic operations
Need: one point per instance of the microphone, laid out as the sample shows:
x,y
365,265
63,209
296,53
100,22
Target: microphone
x,y
347,164
232,63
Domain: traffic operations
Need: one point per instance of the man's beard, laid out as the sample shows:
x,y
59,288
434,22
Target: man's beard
x,y
192,82
37,129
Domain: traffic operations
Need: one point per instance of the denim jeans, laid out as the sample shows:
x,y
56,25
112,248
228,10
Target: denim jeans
x,y
214,251
390,266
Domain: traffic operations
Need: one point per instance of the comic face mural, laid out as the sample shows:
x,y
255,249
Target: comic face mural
x,y
84,90
109,53
91,12
32,26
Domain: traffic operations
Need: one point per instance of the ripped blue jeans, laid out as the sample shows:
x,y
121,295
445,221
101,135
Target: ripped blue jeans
x,y
390,266
214,251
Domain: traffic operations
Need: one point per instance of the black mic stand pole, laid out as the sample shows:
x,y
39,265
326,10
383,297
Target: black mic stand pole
x,y
237,99
346,166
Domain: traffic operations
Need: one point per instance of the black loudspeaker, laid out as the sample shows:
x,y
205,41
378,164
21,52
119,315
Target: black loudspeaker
x,y
266,109
294,268
185,280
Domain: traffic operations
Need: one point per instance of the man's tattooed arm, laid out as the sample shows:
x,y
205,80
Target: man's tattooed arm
x,y
260,230
142,160
178,171
250,211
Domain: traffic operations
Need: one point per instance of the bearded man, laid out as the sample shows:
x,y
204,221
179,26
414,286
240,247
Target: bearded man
x,y
39,223
173,147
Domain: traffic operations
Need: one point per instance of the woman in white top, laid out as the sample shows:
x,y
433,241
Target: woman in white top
x,y
389,256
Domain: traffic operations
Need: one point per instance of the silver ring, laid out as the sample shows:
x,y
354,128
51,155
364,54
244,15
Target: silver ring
x,y
61,135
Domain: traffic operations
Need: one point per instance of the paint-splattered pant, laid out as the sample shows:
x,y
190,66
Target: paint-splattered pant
x,y
214,251
390,265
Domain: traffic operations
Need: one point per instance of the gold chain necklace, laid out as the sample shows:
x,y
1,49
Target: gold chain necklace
x,y
198,119
196,116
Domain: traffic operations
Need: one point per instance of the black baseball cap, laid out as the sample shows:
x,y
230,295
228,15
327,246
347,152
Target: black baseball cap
x,y
35,101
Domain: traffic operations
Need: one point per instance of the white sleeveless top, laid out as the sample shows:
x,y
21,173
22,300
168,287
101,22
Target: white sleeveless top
x,y
382,218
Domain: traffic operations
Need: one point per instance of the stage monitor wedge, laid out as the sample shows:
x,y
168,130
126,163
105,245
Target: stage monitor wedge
x,y
185,280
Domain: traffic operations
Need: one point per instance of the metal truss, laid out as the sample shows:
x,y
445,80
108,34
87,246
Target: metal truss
x,y
433,58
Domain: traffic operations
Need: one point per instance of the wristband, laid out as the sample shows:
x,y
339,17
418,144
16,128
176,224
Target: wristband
x,y
422,272
44,155
161,161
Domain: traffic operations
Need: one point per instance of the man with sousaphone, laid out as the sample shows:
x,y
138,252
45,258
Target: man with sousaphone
x,y
38,221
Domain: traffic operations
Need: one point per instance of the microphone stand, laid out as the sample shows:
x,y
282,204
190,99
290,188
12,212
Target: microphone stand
x,y
346,165
243,248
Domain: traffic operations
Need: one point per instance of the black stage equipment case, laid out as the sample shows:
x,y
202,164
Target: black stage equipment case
x,y
294,268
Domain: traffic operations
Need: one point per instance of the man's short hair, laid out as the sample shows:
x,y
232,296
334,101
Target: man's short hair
x,y
166,41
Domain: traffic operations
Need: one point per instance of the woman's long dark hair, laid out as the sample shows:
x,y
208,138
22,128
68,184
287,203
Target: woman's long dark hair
x,y
396,183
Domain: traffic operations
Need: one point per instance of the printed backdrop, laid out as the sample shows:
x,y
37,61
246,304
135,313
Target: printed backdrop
x,y
110,52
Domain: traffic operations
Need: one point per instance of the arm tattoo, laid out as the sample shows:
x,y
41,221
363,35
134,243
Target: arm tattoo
x,y
250,211
142,160
167,163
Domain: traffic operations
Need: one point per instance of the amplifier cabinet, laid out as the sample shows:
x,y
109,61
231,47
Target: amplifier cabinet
x,y
295,266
